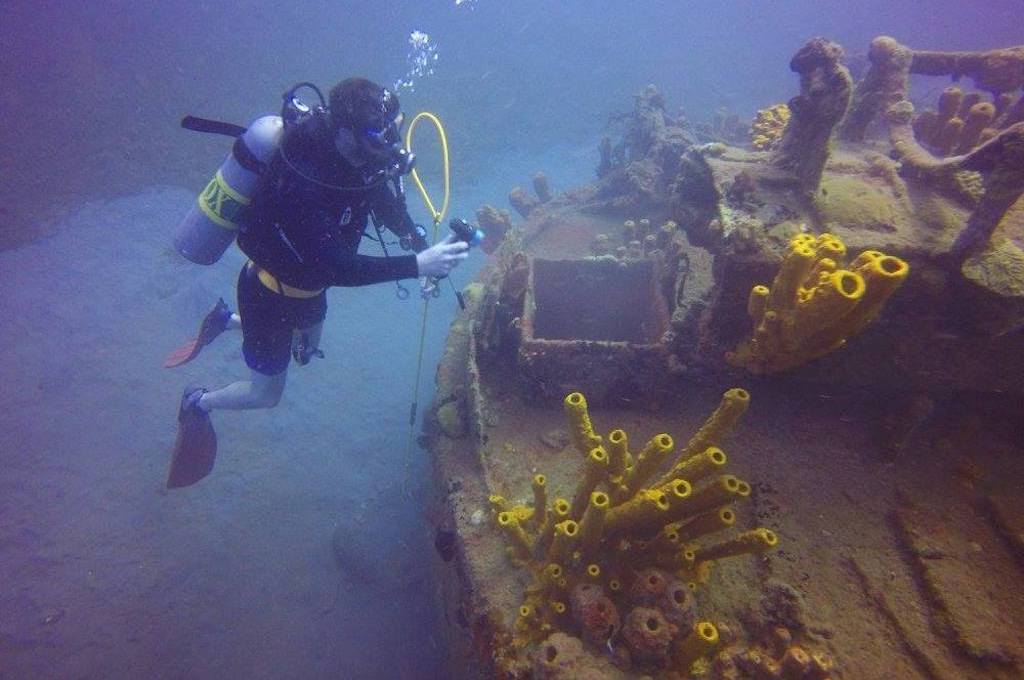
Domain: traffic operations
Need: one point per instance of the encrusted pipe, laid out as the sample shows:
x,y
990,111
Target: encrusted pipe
x,y
541,187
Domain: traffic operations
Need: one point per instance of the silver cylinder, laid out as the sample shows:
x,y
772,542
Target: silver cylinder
x,y
212,223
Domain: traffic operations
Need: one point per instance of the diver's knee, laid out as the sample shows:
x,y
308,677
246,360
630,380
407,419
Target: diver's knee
x,y
267,390
272,399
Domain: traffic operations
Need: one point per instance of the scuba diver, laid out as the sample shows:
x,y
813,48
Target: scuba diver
x,y
297,190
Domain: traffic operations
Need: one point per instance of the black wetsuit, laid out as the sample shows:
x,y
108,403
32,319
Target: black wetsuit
x,y
307,236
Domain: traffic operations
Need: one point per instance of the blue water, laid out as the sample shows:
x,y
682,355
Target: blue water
x,y
104,574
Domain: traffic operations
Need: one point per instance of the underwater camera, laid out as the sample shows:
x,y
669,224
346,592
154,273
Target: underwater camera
x,y
466,232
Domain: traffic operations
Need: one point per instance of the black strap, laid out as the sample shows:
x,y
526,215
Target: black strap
x,y
246,158
215,127
240,151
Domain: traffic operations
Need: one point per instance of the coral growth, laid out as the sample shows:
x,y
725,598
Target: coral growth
x,y
495,224
886,83
961,122
768,126
725,128
616,564
814,305
640,239
824,97
523,202
1000,162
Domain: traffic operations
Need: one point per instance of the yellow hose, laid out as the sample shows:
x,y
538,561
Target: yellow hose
x,y
437,215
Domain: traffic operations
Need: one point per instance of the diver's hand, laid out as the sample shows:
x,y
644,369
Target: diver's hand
x,y
440,258
427,287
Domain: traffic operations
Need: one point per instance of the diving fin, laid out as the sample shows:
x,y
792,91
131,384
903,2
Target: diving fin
x,y
215,323
195,447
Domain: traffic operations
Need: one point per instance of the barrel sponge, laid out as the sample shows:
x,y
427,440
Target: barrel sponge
x,y
594,613
648,634
559,657
677,604
648,587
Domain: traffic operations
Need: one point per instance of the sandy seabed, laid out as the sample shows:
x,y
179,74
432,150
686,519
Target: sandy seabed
x,y
106,574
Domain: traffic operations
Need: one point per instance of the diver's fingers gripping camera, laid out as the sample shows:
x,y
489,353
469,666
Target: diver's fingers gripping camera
x,y
471,236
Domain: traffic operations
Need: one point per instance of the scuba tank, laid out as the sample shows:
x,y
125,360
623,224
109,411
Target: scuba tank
x,y
212,223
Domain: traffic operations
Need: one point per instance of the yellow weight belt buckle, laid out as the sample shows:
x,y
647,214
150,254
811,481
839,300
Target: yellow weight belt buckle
x,y
272,283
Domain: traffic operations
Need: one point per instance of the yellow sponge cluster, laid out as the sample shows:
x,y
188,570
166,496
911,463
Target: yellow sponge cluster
x,y
815,305
768,126
661,508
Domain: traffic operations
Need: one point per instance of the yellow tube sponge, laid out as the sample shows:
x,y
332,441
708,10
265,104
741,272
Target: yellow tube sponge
x,y
646,508
595,469
620,521
755,541
700,465
521,543
497,503
796,265
580,427
618,455
563,542
654,454
732,407
725,489
540,502
701,641
835,294
559,513
592,524
815,303
757,303
882,276
707,523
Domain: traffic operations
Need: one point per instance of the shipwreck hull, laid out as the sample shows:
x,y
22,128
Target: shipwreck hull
x,y
887,467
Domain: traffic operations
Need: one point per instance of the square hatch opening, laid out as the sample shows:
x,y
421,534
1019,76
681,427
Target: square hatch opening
x,y
601,299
